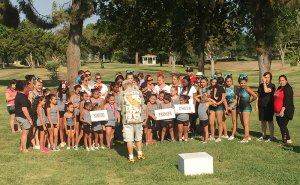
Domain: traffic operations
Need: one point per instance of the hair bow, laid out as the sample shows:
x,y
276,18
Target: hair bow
x,y
227,75
129,71
243,76
214,76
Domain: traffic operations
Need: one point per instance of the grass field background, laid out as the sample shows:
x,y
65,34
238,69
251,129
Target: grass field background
x,y
234,163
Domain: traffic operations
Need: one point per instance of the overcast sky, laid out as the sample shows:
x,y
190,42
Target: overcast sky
x,y
44,7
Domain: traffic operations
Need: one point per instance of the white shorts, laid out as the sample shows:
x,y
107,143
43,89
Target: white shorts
x,y
133,132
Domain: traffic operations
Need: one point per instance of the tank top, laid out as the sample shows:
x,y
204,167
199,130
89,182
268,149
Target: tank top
x,y
175,101
69,120
152,107
96,102
112,112
61,102
244,98
76,101
44,117
87,116
53,114
230,95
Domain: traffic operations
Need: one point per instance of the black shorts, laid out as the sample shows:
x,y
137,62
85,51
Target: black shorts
x,y
86,129
70,127
10,109
150,123
61,114
40,128
166,123
49,125
78,118
265,113
184,123
204,123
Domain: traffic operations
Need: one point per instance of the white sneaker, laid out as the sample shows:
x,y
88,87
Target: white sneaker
x,y
68,148
204,142
231,138
249,138
211,138
260,139
225,137
75,147
92,148
269,140
87,149
49,146
218,140
102,147
37,147
62,144
244,141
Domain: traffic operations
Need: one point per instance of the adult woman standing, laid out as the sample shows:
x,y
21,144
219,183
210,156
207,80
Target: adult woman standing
x,y
266,106
101,86
230,104
150,85
284,107
244,105
10,94
84,82
176,82
23,111
161,85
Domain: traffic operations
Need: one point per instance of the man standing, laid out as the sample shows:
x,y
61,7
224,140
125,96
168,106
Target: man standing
x,y
130,105
189,72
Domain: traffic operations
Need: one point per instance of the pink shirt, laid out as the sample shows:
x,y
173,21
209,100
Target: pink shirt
x,y
11,94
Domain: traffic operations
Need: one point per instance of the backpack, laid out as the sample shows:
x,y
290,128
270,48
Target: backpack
x,y
133,106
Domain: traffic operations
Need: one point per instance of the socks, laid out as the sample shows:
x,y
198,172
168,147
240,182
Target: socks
x,y
140,153
130,156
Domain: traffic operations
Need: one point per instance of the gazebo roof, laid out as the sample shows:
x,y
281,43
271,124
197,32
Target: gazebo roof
x,y
149,55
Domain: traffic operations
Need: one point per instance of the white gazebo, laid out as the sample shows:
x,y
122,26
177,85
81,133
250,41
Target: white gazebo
x,y
149,59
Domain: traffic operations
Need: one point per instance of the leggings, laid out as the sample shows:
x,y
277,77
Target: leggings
x,y
282,123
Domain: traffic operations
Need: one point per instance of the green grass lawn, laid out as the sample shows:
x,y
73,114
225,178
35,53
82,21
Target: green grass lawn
x,y
234,163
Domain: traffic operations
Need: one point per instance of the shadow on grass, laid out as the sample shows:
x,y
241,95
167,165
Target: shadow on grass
x,y
252,133
293,148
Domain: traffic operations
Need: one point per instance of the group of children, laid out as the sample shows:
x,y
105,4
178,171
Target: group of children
x,y
64,116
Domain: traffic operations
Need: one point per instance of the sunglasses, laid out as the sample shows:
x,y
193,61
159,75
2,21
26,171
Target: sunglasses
x,y
88,74
99,78
150,80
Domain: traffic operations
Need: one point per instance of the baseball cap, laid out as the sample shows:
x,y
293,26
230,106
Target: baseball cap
x,y
189,69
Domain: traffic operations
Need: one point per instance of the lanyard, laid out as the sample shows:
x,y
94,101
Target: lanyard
x,y
113,108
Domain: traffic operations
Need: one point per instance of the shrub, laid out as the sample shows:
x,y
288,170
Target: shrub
x,y
52,67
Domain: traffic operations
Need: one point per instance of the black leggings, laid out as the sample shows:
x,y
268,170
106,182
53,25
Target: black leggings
x,y
282,123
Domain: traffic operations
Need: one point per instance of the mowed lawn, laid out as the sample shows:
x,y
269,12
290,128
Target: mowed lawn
x,y
234,163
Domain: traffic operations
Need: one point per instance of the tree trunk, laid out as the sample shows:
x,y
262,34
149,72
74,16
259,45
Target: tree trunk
x,y
136,59
201,61
264,63
73,50
212,66
173,64
170,61
282,54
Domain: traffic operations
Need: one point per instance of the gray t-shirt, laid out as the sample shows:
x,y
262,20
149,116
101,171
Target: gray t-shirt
x,y
202,112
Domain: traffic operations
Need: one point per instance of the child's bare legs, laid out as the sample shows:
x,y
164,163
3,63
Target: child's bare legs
x,y
212,123
245,117
12,123
24,140
72,135
108,136
89,140
68,137
234,123
36,135
146,134
55,136
61,130
101,136
76,131
163,133
171,131
205,128
186,132
180,131
42,137
50,130
96,134
219,116
149,135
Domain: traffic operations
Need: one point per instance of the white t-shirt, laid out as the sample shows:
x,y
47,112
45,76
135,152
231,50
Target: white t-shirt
x,y
86,90
166,88
104,89
190,94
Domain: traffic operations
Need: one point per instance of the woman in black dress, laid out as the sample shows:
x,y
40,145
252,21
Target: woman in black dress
x,y
266,106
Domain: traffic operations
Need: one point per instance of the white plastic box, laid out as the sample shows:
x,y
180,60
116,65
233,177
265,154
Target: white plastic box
x,y
195,163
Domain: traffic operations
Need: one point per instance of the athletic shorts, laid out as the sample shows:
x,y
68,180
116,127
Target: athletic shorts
x,y
86,129
184,123
24,123
204,123
166,123
70,127
219,108
245,109
96,126
10,109
40,128
150,123
132,132
49,125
